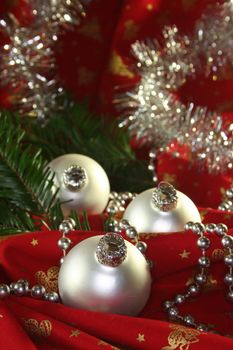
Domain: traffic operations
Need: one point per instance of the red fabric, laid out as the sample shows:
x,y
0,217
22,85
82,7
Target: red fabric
x,y
31,324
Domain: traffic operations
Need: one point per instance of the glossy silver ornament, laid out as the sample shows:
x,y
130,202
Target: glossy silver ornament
x,y
146,217
85,283
82,182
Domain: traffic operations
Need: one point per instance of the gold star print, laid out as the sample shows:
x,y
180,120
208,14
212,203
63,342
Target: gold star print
x,y
34,242
74,333
149,7
141,337
131,30
184,254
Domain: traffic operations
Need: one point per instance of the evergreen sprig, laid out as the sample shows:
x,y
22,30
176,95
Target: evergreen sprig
x,y
27,197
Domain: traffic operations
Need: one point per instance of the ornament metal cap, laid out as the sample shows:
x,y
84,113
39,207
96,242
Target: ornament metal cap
x,y
74,177
164,197
111,250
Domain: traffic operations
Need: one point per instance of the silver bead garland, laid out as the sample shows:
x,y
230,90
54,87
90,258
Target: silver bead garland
x,y
227,204
203,243
22,288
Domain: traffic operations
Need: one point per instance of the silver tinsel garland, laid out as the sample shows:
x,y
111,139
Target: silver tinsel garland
x,y
152,112
28,65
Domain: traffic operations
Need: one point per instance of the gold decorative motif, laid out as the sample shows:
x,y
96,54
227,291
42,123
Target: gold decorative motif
x,y
217,254
74,333
184,254
140,337
49,279
34,242
85,76
209,285
36,329
181,338
131,30
118,67
91,29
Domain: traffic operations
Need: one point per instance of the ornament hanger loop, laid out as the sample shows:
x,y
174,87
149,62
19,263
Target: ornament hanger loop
x,y
111,250
74,178
164,197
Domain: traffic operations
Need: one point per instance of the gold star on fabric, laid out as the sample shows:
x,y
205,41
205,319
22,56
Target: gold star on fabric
x,y
149,7
184,254
140,337
74,333
34,242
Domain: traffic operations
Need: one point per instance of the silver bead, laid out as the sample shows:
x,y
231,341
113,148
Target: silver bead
x,y
189,320
172,313
193,289
52,296
230,295
227,241
123,224
142,246
117,229
200,278
168,304
189,225
202,327
65,226
229,193
112,209
179,299
12,286
203,242
37,291
221,229
111,224
210,228
131,232
20,288
113,195
228,279
4,291
198,227
228,259
203,261
64,243
72,222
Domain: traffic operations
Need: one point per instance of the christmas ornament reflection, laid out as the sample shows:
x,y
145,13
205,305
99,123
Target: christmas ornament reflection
x,y
162,209
82,182
107,274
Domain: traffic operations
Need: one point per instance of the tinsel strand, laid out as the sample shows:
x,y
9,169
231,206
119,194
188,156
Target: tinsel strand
x,y
152,112
28,65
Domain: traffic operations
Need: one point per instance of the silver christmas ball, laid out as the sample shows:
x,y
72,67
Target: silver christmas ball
x,y
82,182
106,274
147,214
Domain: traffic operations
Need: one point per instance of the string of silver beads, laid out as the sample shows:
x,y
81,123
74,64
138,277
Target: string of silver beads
x,y
117,202
200,278
64,242
227,204
22,288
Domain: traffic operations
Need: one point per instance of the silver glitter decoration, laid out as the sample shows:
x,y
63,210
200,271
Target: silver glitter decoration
x,y
151,111
28,64
75,177
164,197
111,250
